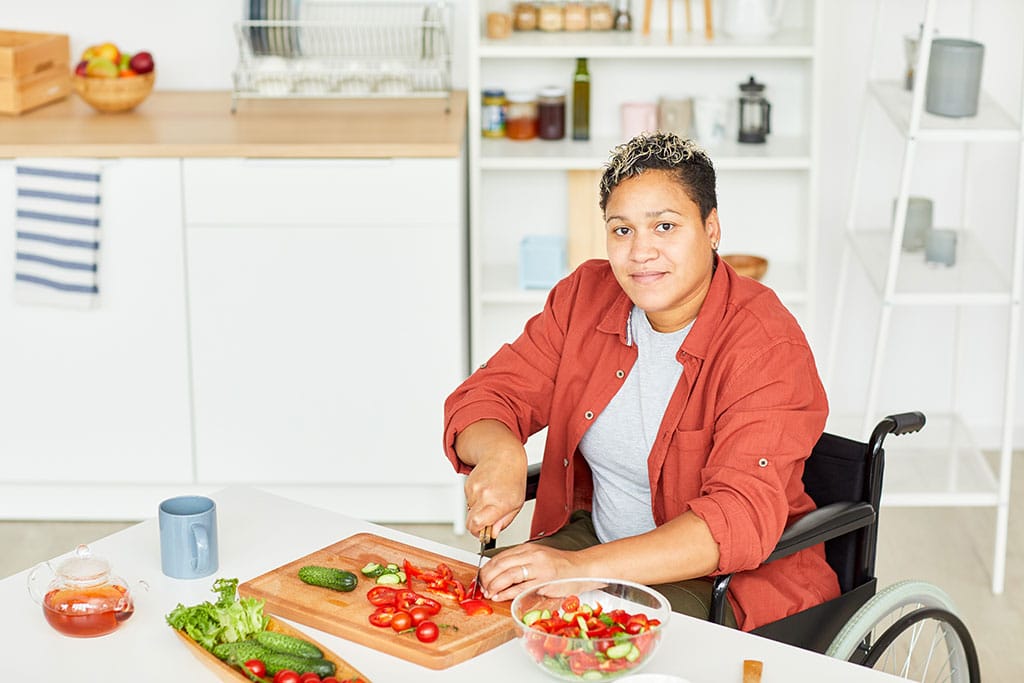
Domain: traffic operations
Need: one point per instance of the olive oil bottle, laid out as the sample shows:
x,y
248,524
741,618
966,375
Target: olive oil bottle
x,y
581,101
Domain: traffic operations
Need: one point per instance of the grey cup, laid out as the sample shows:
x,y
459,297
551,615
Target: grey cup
x,y
954,77
188,537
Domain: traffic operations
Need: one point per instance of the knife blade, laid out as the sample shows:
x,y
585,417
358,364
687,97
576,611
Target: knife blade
x,y
485,538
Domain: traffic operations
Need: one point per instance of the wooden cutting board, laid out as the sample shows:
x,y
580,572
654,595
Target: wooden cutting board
x,y
345,614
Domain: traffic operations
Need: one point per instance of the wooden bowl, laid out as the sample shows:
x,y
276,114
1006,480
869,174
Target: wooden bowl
x,y
115,94
747,264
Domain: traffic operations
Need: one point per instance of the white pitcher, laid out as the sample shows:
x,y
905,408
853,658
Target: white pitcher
x,y
752,18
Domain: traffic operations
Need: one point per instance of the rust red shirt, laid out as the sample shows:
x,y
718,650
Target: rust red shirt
x,y
744,417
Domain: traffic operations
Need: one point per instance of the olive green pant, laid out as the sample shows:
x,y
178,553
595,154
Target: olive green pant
x,y
691,597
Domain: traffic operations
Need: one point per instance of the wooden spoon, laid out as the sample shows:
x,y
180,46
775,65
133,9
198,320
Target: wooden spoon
x,y
648,8
709,26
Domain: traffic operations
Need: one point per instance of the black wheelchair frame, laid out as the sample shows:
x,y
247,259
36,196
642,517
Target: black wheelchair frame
x,y
844,478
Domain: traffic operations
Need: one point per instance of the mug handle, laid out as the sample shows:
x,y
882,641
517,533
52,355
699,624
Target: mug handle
x,y
202,546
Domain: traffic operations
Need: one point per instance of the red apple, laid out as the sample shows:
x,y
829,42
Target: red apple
x,y
80,69
141,63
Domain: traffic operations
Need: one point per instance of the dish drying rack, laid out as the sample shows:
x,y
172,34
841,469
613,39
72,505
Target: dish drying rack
x,y
347,50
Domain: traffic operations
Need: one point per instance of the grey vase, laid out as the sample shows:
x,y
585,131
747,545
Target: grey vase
x,y
954,77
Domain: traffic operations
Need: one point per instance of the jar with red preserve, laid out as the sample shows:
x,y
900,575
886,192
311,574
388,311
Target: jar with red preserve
x,y
521,121
551,113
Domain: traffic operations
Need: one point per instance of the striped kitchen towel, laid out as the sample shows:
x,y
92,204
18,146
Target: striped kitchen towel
x,y
57,224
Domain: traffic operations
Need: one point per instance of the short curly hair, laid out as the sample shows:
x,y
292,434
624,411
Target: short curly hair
x,y
683,158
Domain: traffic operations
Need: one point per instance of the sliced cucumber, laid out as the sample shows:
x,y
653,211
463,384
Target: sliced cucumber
x,y
634,653
372,569
389,579
532,616
621,650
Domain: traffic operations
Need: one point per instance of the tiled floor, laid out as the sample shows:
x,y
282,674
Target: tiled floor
x,y
950,547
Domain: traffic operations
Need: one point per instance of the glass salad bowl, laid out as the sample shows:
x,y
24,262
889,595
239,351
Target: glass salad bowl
x,y
590,628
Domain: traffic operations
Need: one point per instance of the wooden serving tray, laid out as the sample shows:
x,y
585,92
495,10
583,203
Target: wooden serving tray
x,y
230,674
345,614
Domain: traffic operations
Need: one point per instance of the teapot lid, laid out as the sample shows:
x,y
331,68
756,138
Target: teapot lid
x,y
752,86
83,566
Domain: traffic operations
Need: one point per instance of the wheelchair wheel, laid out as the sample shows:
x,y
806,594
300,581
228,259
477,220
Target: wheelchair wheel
x,y
910,629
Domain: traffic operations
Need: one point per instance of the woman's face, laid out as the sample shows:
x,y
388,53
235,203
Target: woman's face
x,y
659,248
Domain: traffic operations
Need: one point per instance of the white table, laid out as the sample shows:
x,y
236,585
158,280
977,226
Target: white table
x,y
258,532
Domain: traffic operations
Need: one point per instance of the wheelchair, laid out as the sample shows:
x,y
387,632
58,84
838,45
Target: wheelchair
x,y
909,629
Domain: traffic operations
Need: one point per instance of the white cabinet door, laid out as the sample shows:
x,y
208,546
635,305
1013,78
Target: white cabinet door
x,y
323,348
102,396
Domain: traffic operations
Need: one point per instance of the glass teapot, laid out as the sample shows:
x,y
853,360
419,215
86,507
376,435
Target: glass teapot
x,y
79,596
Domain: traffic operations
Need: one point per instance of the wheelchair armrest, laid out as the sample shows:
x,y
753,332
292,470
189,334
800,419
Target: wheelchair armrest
x,y
821,525
532,479
815,527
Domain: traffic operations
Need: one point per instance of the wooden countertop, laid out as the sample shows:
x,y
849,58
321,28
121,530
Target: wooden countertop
x,y
200,124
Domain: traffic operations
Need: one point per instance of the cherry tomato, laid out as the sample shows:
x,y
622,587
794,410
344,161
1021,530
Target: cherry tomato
x,y
427,632
329,679
257,667
571,604
381,595
310,677
419,614
401,621
286,676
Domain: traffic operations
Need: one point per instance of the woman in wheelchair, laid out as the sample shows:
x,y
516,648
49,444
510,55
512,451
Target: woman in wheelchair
x,y
681,401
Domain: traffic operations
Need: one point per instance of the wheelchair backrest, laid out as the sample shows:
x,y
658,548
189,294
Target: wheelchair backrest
x,y
840,469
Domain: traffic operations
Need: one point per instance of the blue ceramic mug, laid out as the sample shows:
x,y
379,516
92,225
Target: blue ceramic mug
x,y
188,537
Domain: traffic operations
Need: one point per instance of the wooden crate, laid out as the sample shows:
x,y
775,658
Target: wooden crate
x,y
34,70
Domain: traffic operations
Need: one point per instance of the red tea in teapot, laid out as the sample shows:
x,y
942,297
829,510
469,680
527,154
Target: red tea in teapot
x,y
87,612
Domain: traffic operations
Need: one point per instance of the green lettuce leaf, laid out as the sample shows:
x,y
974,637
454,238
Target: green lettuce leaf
x,y
227,621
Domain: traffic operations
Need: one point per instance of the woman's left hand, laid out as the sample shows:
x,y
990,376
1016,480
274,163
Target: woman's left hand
x,y
512,571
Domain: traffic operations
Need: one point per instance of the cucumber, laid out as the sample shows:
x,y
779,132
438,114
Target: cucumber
x,y
279,661
373,570
242,651
328,577
389,579
620,650
530,617
281,642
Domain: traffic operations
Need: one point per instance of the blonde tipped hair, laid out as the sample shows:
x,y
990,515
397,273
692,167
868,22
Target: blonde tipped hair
x,y
681,157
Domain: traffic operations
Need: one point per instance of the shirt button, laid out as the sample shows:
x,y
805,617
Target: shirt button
x,y
763,462
540,533
565,462
620,374
483,365
589,415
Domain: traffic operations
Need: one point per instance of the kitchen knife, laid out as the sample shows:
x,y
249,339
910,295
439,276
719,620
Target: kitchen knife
x,y
485,538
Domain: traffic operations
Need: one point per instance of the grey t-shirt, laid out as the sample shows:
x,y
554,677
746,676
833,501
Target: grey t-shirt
x,y
618,443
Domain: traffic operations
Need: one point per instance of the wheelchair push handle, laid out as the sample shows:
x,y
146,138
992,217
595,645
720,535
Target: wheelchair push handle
x,y
900,423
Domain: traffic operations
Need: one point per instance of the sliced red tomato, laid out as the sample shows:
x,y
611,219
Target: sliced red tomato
x,y
571,604
581,662
381,595
476,608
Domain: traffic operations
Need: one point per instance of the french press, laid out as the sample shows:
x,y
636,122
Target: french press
x,y
755,112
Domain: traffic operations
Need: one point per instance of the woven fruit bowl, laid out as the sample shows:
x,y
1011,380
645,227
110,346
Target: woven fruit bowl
x,y
747,264
115,94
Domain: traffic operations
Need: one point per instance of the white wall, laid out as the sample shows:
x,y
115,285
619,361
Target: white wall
x,y
192,41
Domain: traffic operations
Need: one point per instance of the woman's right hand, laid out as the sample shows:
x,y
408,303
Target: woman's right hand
x,y
496,487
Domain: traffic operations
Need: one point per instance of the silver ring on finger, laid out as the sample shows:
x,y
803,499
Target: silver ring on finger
x,y
526,572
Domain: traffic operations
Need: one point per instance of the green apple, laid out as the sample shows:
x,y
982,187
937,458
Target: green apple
x,y
126,59
101,67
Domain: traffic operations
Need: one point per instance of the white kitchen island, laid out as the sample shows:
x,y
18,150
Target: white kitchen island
x,y
259,532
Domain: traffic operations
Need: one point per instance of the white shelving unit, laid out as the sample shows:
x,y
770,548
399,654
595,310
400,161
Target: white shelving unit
x,y
518,188
943,466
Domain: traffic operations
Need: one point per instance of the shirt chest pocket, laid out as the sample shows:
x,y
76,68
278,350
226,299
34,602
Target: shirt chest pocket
x,y
687,455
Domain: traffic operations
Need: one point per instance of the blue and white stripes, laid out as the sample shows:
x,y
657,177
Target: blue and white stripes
x,y
57,221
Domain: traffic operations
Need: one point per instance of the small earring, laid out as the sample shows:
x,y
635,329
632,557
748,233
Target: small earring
x,y
714,246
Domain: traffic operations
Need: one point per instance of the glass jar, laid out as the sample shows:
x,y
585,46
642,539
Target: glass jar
x,y
524,16
602,17
521,116
575,16
551,17
551,113
492,113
